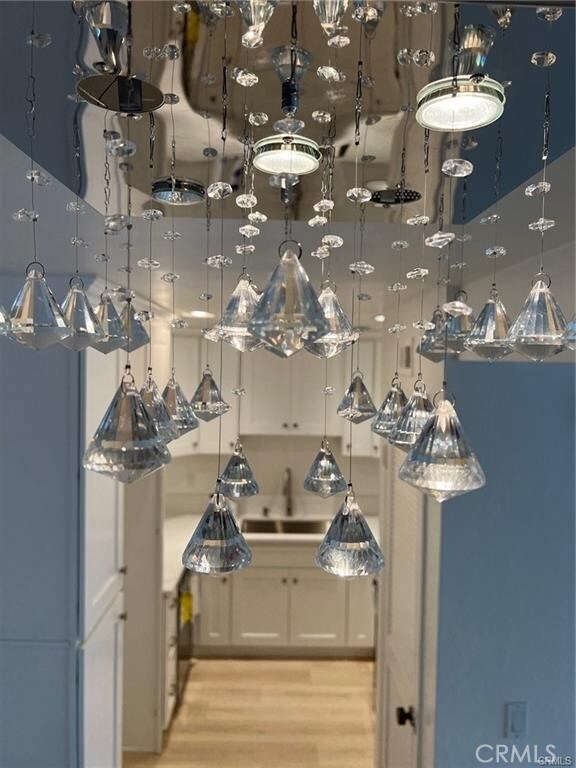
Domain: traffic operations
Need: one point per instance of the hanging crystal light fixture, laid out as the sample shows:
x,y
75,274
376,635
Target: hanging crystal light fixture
x,y
36,319
488,336
341,334
412,419
432,342
290,63
356,405
256,14
135,332
178,406
390,410
207,402
85,328
330,13
538,331
324,476
126,445
217,546
108,22
458,327
157,410
441,462
288,314
349,548
233,327
238,481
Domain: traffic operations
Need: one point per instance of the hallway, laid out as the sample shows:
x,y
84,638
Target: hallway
x,y
264,714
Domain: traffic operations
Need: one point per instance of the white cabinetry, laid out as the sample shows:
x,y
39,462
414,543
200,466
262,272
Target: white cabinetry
x,y
260,607
317,609
361,612
170,655
215,610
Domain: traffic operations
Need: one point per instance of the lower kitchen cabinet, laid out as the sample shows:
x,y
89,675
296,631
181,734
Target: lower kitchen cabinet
x,y
361,612
317,609
170,666
260,607
215,602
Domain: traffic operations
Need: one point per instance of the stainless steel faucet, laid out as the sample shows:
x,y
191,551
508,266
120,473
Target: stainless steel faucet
x,y
287,491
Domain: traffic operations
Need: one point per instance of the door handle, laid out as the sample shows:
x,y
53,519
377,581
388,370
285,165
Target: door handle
x,y
404,716
294,581
295,425
123,616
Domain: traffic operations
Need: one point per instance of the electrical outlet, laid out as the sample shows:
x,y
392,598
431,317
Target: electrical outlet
x,y
515,720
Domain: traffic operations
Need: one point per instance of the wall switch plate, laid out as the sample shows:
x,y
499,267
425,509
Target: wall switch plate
x,y
515,719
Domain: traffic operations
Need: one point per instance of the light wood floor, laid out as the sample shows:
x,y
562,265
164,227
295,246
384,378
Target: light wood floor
x,y
271,714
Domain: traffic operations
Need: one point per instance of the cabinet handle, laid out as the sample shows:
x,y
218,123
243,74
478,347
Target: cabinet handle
x,y
195,444
285,425
123,616
284,581
294,581
295,425
224,579
347,446
123,570
404,716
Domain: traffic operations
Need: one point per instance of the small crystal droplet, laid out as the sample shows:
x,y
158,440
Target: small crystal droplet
x,y
152,53
541,225
244,77
317,221
538,189
248,230
178,322
359,195
424,58
458,265
144,315
404,57
151,214
244,249
439,239
361,268
171,235
463,238
170,277
208,79
218,261
25,215
322,252
205,296
288,125
181,7
75,206
367,158
418,221
368,81
495,251
333,241
79,242
457,308
148,264
324,205
328,391
39,39
548,13
257,118
257,218
210,152
330,74
321,116
219,190
340,40
396,328
101,258
423,325
170,52
457,167
364,297
239,391
246,201
491,219
409,10
418,273
38,177
171,99
397,287
399,245
543,58
121,148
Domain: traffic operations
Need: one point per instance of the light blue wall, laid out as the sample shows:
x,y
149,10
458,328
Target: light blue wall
x,y
506,623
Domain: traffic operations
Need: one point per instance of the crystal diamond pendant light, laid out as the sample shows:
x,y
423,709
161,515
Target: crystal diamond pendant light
x,y
356,405
115,335
178,407
207,402
157,409
431,344
136,333
126,445
390,410
37,320
412,419
237,315
441,462
256,14
488,336
330,13
341,333
324,476
238,480
349,548
108,22
85,328
538,331
288,314
217,546
457,330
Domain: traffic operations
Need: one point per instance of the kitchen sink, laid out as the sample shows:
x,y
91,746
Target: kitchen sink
x,y
283,525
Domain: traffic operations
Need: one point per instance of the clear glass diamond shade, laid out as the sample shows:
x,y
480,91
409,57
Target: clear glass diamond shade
x,y
256,14
36,318
136,333
217,546
85,328
412,419
115,335
330,13
357,405
349,548
390,410
432,342
179,408
5,324
288,313
341,333
538,330
324,476
488,337
281,58
569,337
238,480
108,22
207,402
441,463
237,315
126,445
457,331
157,409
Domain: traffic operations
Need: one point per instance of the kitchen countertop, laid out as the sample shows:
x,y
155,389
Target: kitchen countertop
x,y
178,530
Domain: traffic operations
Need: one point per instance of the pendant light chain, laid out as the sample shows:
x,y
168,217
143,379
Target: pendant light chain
x,y
426,158
78,173
30,116
401,256
107,190
545,155
496,188
456,45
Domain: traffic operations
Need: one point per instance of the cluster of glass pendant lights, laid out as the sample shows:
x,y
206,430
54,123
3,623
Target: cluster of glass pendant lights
x,y
288,316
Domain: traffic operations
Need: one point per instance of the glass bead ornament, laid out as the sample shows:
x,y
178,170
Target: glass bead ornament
x,y
36,318
359,195
324,476
317,221
537,332
126,445
217,546
441,463
237,315
207,402
84,326
157,409
246,201
330,74
333,241
178,407
356,405
538,189
488,336
569,337
341,333
219,190
257,118
412,418
349,548
457,168
256,14
424,58
238,481
136,333
439,239
543,58
288,314
255,217
390,410
418,221
324,205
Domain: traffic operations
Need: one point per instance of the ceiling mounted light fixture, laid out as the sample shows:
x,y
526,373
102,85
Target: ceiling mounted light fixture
x,y
286,154
178,191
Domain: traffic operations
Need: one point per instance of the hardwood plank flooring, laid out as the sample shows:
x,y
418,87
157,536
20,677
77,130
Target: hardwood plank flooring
x,y
271,714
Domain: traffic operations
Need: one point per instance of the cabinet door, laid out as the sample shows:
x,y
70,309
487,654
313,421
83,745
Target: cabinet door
x,y
361,613
260,607
169,655
266,407
214,610
364,441
307,376
101,690
317,609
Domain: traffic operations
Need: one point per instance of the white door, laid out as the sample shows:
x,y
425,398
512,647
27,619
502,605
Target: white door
x,y
214,610
266,405
101,690
317,608
361,612
260,607
307,377
400,625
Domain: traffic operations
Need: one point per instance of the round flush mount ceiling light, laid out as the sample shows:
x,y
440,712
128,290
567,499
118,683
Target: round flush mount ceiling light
x,y
178,191
473,103
286,154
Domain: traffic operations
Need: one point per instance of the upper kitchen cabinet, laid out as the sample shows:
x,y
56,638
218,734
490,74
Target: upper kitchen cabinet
x,y
190,356
285,396
364,441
